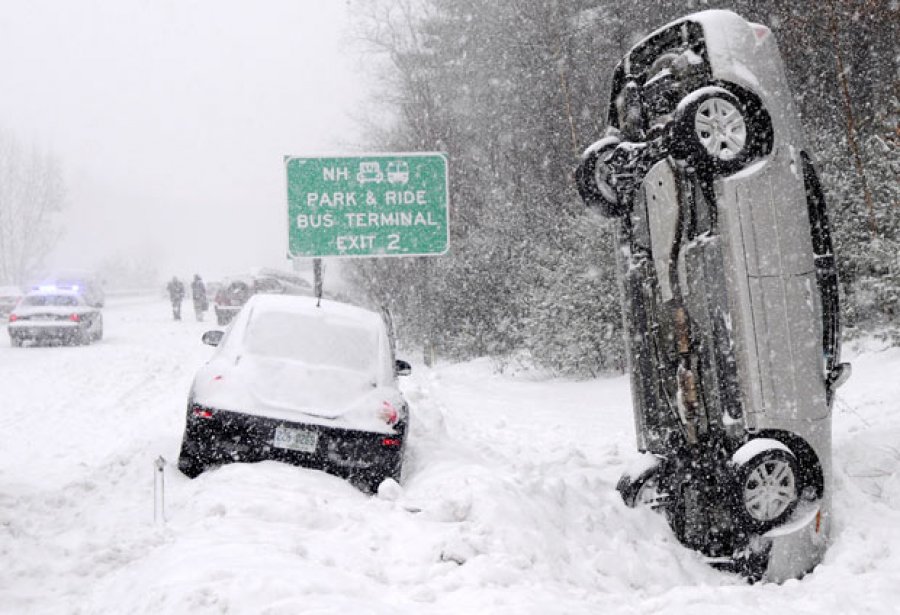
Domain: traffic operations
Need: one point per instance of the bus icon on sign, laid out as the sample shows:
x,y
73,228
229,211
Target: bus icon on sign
x,y
369,172
398,172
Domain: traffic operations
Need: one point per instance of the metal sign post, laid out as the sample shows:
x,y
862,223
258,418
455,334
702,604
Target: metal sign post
x,y
159,490
375,205
317,277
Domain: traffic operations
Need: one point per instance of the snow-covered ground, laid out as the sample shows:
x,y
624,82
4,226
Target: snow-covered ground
x,y
508,503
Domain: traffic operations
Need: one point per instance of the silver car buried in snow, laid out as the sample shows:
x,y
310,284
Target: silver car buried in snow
x,y
729,294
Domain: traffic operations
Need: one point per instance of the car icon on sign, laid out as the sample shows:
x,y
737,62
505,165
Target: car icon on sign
x,y
369,172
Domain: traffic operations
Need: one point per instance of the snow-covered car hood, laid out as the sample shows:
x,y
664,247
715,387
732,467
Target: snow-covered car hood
x,y
295,391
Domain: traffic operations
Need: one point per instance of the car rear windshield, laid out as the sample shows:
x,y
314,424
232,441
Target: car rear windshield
x,y
326,341
52,300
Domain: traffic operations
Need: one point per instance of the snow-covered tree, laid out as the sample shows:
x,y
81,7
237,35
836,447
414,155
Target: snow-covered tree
x,y
31,194
513,92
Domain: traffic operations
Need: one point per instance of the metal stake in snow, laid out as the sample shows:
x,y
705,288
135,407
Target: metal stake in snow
x,y
159,490
317,273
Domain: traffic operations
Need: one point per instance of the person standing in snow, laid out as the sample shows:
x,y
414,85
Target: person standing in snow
x,y
198,291
176,296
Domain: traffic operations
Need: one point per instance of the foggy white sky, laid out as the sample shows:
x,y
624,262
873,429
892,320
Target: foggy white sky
x,y
171,118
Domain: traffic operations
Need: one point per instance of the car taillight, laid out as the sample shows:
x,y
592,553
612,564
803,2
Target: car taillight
x,y
13,318
391,442
388,413
760,31
75,318
201,412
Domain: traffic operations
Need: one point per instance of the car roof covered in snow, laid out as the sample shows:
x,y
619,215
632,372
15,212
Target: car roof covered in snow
x,y
301,304
302,329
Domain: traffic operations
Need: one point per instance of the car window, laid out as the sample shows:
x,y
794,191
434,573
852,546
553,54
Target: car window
x,y
238,291
51,300
323,341
268,286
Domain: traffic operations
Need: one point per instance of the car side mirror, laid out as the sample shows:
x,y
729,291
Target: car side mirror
x,y
839,375
402,368
212,338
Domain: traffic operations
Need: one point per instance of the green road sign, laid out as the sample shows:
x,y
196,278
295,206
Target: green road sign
x,y
377,205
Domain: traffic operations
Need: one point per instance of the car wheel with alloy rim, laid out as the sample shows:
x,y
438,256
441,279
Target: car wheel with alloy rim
x,y
767,486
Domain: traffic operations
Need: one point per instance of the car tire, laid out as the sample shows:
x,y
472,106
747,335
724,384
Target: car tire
x,y
767,484
390,467
714,131
98,335
593,178
643,490
221,319
189,462
16,341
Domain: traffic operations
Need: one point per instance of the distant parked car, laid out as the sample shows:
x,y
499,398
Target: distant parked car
x,y
730,293
61,316
9,297
304,382
234,292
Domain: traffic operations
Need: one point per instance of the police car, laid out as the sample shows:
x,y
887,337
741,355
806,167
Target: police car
x,y
53,314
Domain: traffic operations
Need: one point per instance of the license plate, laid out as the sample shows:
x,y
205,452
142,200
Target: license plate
x,y
295,439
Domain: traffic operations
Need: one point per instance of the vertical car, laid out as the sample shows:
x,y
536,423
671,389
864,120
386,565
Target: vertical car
x,y
304,381
729,293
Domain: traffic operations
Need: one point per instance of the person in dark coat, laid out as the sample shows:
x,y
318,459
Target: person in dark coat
x,y
176,296
198,291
